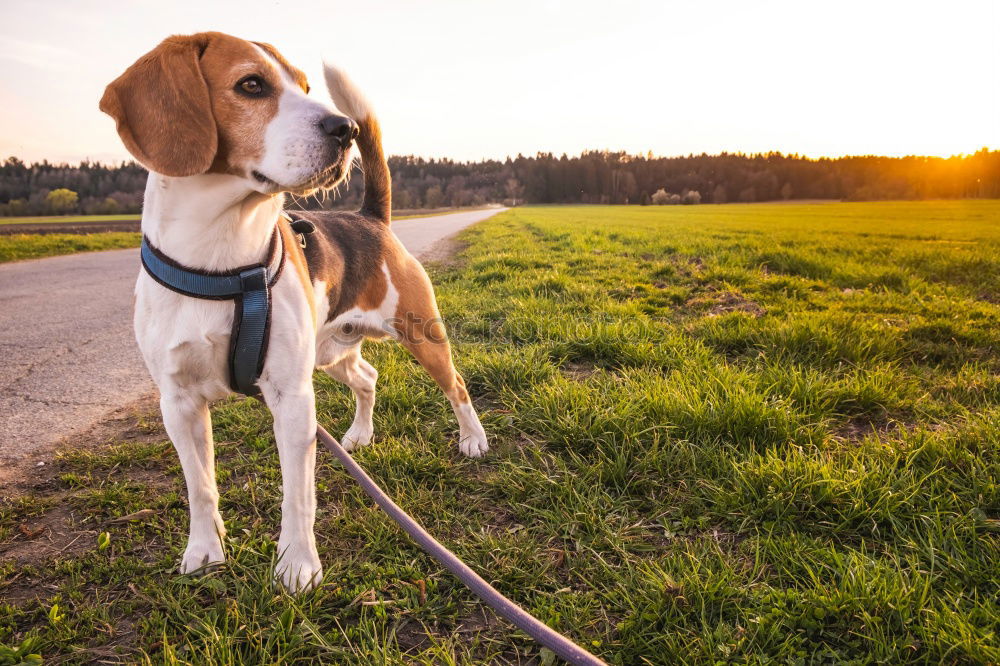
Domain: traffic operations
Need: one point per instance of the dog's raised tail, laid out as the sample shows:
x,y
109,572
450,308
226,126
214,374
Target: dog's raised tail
x,y
378,184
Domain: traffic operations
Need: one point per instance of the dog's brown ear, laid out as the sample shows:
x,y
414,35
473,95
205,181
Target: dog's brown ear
x,y
163,110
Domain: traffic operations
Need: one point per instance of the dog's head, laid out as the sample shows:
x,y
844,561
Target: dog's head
x,y
214,103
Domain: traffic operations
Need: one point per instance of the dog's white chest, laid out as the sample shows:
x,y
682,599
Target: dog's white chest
x,y
184,340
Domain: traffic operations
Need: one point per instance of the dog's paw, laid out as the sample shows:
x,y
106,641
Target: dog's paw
x,y
200,557
356,436
474,445
299,569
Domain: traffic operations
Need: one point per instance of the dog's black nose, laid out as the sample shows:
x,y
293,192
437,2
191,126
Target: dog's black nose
x,y
340,128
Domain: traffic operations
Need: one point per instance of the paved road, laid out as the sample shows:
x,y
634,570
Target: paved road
x,y
67,354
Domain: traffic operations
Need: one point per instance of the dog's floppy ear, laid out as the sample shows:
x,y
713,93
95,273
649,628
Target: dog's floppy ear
x,y
163,110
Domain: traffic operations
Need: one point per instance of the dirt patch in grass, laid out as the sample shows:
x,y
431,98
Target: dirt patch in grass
x,y
732,302
716,303
858,428
411,635
444,253
44,501
47,536
137,422
696,262
480,619
578,371
61,533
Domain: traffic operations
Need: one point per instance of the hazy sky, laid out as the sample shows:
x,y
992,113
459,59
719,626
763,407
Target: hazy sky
x,y
469,79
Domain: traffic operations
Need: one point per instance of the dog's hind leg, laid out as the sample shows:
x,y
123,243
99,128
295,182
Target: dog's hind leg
x,y
189,425
360,376
424,336
435,357
419,328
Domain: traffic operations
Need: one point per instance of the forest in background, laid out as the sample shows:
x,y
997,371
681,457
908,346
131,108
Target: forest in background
x,y
592,177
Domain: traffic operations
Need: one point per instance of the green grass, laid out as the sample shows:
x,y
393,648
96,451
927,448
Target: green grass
x,y
34,246
751,434
68,219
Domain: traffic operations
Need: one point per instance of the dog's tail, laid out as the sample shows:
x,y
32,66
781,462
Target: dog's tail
x,y
378,184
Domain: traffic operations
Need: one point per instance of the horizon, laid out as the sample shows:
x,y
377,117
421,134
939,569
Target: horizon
x,y
489,81
129,160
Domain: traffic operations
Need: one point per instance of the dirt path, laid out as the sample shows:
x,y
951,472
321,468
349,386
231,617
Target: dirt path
x,y
69,357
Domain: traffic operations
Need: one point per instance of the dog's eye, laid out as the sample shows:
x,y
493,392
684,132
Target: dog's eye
x,y
251,85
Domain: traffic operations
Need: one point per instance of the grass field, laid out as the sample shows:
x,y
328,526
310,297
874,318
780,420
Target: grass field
x,y
720,434
35,246
67,219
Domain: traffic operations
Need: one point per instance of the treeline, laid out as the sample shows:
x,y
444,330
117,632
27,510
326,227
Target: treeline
x,y
593,177
99,189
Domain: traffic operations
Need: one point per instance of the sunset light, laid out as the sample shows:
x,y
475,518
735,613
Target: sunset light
x,y
469,80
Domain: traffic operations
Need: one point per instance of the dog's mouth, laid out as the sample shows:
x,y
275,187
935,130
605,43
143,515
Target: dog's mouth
x,y
327,178
261,178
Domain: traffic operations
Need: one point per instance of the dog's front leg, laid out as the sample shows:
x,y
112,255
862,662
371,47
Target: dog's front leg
x,y
298,567
189,425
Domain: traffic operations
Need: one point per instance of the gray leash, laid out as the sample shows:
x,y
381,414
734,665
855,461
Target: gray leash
x,y
556,642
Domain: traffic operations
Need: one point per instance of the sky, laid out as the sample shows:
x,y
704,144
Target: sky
x,y
473,79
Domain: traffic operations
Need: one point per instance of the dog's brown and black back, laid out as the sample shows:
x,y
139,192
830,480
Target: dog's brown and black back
x,y
346,252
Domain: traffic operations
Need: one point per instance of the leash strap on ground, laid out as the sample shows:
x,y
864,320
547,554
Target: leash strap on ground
x,y
556,642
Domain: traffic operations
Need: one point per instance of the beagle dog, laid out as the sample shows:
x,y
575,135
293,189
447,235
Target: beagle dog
x,y
226,127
